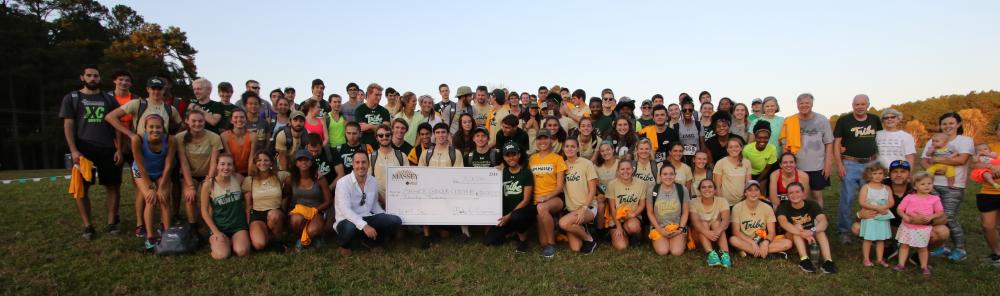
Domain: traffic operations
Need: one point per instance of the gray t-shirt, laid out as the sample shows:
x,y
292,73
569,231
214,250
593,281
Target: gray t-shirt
x,y
347,109
816,133
688,135
87,113
667,205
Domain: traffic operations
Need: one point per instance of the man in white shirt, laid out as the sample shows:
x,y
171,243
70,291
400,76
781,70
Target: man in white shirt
x,y
358,211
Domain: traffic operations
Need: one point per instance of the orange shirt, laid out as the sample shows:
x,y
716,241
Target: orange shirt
x,y
127,118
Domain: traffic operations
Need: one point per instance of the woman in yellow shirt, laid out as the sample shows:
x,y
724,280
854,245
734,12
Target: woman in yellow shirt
x,y
581,186
626,195
549,171
607,170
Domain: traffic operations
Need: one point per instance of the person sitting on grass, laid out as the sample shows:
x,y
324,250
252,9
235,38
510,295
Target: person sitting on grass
x,y
358,210
710,218
518,211
154,161
626,196
754,227
667,209
312,197
803,220
549,171
224,210
263,192
580,189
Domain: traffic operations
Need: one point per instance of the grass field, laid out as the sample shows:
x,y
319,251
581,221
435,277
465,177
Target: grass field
x,y
42,253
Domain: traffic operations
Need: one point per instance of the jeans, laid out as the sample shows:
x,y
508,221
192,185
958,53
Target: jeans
x,y
951,198
385,225
849,186
519,221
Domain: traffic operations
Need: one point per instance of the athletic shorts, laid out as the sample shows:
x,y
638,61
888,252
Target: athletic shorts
x,y
987,202
108,173
816,180
256,215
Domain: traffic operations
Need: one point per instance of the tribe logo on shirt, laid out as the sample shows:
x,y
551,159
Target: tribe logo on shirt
x,y
863,131
752,224
512,187
645,177
627,198
572,177
322,167
374,118
803,220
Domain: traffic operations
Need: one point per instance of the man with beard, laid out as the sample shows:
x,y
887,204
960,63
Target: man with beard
x,y
90,137
352,131
289,139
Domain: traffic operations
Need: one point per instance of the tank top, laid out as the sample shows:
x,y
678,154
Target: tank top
x,y
310,197
228,210
782,188
240,151
315,128
153,161
336,131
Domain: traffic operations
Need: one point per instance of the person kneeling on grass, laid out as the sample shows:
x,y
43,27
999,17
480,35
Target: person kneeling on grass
x,y
710,218
358,210
667,209
224,211
803,220
519,212
549,171
263,192
312,197
626,195
580,189
754,229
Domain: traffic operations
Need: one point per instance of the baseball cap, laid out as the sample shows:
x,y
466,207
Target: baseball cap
x,y
757,101
463,91
646,103
543,133
155,82
751,183
302,153
532,104
511,147
297,113
899,164
481,130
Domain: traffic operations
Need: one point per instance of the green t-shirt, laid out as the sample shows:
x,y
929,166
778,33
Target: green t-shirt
x,y
375,116
760,159
513,187
603,125
336,131
858,137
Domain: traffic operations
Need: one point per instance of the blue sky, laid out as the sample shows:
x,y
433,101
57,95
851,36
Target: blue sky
x,y
894,51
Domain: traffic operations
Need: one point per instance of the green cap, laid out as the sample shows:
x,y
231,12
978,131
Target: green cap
x,y
297,113
543,133
155,82
463,91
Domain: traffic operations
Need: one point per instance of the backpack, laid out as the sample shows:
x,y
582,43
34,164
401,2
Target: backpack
x,y
677,187
374,157
430,153
177,240
652,169
143,104
493,158
109,99
287,129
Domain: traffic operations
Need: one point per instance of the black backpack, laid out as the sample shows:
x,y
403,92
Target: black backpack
x,y
374,157
677,187
287,129
430,153
177,240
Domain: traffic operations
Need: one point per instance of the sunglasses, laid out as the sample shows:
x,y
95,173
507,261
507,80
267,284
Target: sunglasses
x,y
889,117
255,88
383,135
687,110
363,198
608,100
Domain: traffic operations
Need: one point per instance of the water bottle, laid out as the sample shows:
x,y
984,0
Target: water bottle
x,y
815,254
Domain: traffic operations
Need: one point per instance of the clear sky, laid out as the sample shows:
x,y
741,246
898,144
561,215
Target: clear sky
x,y
894,51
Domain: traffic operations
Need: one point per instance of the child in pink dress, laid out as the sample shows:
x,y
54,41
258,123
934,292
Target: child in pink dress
x,y
917,209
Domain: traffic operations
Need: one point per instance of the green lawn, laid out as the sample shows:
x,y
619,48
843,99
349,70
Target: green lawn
x,y
42,253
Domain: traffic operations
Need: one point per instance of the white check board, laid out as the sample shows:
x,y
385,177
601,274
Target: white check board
x,y
444,196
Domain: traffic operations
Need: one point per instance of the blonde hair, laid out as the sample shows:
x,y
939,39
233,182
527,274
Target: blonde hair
x,y
373,86
871,169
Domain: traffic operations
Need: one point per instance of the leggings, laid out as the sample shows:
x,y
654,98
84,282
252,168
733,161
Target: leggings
x,y
951,198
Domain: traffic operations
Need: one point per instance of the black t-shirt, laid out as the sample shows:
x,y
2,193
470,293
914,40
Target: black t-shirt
x,y
513,187
718,149
346,152
325,163
897,198
858,137
227,115
374,116
666,137
405,148
806,216
212,107
480,160
520,137
87,113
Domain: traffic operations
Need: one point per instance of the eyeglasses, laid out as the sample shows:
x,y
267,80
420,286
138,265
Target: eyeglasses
x,y
383,135
887,117
688,110
363,198
608,99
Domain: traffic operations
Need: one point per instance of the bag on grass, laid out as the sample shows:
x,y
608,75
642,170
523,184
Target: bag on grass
x,y
177,240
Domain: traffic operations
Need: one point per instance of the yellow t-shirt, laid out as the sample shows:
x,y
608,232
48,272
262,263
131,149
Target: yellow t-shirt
x,y
494,119
386,160
132,107
279,143
708,213
441,158
646,173
607,173
266,192
683,175
578,176
199,152
628,196
751,220
733,179
479,113
544,169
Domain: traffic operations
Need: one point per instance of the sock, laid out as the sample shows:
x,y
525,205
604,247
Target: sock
x,y
803,258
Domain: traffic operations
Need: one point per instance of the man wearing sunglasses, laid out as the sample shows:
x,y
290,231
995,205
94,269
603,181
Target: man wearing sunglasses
x,y
358,211
607,114
383,157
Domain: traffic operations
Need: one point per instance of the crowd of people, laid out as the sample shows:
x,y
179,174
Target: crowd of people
x,y
264,173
